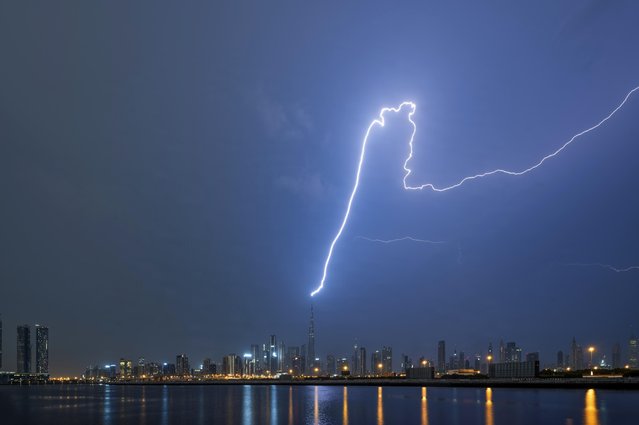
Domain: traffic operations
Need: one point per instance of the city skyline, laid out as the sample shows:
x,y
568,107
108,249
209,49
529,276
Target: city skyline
x,y
175,191
274,356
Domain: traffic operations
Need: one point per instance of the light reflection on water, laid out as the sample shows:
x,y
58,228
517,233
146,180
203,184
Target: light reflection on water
x,y
317,405
424,411
489,407
591,415
345,406
380,407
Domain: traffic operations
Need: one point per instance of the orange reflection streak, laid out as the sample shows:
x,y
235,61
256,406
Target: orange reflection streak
x,y
591,415
489,407
380,407
424,407
316,407
290,405
345,407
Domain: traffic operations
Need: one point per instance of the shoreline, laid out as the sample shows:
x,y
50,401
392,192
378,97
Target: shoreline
x,y
582,383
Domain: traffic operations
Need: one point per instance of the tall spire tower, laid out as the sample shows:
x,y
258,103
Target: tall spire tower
x,y
311,341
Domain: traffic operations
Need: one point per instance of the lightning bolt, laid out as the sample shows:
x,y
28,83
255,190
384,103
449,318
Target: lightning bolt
x,y
605,266
499,170
405,238
377,122
380,122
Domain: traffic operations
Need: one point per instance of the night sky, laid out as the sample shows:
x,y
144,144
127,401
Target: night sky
x,y
171,176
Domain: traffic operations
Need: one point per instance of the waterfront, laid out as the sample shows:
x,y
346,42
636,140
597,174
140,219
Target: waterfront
x,y
280,404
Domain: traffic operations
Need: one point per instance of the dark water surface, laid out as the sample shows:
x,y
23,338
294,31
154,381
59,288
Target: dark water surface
x,y
264,404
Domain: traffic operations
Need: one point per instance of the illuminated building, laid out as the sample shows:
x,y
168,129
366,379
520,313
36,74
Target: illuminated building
x,y
24,349
272,357
182,366
168,369
232,365
42,349
126,368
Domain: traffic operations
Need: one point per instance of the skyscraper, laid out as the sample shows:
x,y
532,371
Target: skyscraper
x,y
310,354
355,358
560,359
331,366
42,349
512,353
231,365
579,358
387,360
376,363
182,366
441,356
616,356
272,348
360,366
256,355
281,354
0,342
633,352
24,349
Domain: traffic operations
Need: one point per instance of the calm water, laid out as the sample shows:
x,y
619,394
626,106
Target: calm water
x,y
312,405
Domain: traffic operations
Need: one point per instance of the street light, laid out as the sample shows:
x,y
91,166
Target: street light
x,y
591,350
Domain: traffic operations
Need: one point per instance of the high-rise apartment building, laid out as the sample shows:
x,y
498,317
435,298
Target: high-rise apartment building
x,y
182,366
42,349
232,365
24,349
